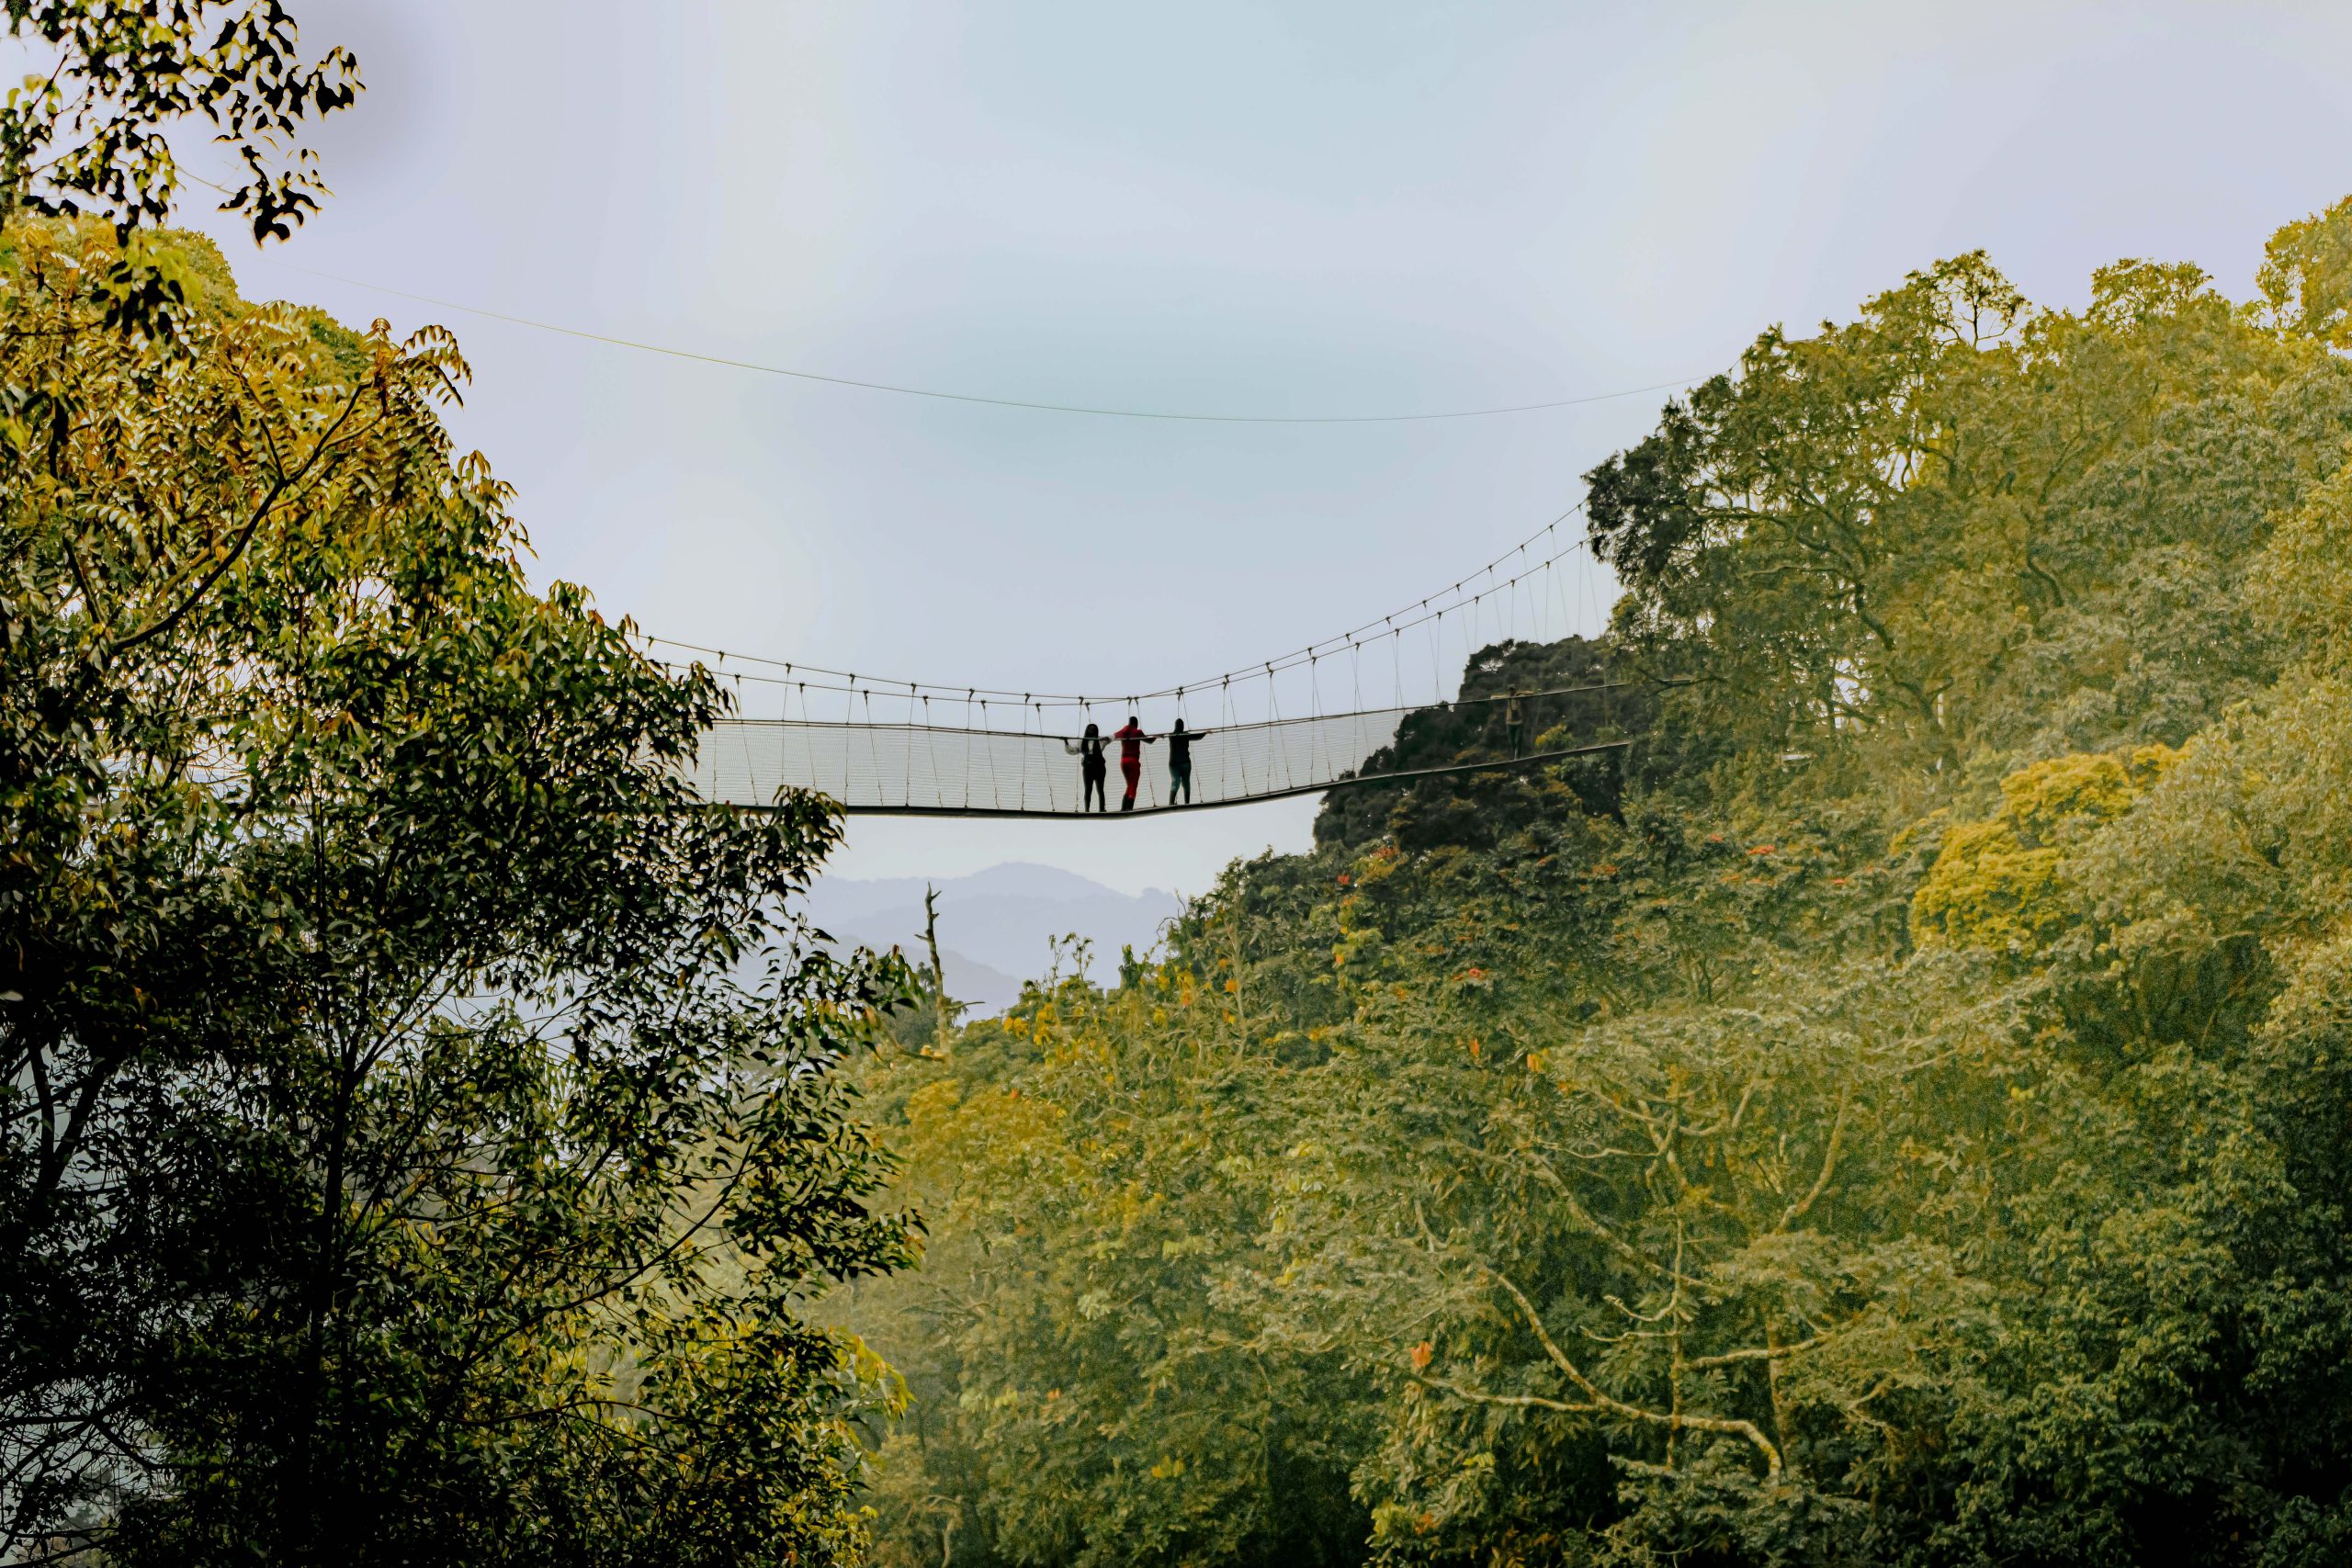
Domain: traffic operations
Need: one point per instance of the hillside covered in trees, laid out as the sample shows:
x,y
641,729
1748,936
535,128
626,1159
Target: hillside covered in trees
x,y
1896,1109
1903,1114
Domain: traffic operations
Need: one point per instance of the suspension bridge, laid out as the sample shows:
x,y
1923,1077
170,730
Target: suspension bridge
x,y
1261,732
1277,729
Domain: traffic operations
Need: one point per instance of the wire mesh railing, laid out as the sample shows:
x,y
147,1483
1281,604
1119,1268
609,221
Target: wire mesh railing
x,y
919,769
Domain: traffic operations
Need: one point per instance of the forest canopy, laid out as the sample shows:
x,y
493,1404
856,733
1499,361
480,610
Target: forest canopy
x,y
1895,1111
1902,1116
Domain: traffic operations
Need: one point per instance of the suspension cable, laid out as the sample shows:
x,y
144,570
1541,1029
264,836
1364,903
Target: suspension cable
x,y
1385,625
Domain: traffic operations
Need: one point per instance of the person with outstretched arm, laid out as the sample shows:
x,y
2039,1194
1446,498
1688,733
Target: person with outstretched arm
x,y
1180,761
1131,739
1093,770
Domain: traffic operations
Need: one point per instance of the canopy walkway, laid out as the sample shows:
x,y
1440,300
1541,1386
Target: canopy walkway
x,y
916,748
928,770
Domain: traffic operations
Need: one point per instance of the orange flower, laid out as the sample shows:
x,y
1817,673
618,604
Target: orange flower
x,y
1422,1354
1762,850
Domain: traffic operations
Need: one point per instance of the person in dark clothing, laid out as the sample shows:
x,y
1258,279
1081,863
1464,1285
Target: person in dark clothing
x,y
1515,721
1093,769
1131,739
1179,762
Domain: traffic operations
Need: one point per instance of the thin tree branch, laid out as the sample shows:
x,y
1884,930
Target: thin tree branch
x,y
1607,1403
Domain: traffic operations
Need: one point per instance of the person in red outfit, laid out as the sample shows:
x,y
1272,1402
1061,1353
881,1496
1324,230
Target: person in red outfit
x,y
1131,739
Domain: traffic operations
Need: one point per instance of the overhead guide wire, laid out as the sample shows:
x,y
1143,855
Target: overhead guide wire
x,y
1037,405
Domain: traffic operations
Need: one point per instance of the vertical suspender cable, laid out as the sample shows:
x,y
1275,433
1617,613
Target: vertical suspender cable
x,y
1314,712
1608,650
1274,733
1437,664
786,737
930,750
743,733
873,750
1560,596
988,750
849,718
1233,739
805,719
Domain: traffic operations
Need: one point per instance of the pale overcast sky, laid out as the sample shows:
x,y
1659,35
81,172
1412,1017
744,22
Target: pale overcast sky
x,y
1277,209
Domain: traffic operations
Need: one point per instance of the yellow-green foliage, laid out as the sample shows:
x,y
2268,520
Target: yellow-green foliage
x,y
2306,276
1607,1176
2002,882
2304,589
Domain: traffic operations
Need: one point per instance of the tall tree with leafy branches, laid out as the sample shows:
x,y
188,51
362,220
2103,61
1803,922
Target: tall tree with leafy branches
x,y
419,1116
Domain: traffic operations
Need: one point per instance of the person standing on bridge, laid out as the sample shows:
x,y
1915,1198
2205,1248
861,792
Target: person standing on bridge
x,y
1093,770
1131,739
1515,721
1179,762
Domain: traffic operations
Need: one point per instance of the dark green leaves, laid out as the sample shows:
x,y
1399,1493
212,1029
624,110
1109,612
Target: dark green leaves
x,y
93,139
423,1117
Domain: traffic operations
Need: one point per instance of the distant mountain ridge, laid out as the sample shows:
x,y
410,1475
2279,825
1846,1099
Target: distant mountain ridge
x,y
996,926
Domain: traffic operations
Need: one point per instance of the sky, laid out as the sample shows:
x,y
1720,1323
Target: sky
x,y
1275,209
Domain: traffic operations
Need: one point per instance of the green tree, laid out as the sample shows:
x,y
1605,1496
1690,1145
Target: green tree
x,y
1900,1119
1964,527
2306,276
1089,1386
90,134
420,1115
